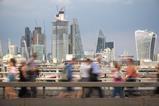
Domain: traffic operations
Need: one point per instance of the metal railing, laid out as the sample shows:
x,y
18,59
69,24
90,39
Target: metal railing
x,y
75,84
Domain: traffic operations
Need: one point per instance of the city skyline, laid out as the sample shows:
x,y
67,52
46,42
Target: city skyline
x,y
118,19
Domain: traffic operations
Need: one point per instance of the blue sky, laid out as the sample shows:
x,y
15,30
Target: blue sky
x,y
118,19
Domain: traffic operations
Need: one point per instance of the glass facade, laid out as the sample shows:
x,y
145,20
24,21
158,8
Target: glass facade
x,y
100,42
145,44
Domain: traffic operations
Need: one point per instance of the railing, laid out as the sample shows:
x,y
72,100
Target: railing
x,y
75,84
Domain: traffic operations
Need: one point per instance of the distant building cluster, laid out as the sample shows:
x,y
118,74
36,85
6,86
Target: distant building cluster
x,y
66,40
106,49
66,43
33,42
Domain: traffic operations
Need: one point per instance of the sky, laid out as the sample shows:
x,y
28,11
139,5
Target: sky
x,y
118,19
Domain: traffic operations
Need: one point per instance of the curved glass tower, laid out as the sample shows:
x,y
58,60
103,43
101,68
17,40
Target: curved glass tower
x,y
145,44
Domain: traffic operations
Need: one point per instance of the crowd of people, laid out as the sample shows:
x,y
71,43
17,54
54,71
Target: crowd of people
x,y
28,72
89,72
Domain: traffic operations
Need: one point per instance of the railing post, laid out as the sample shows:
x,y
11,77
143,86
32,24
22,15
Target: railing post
x,y
3,92
43,91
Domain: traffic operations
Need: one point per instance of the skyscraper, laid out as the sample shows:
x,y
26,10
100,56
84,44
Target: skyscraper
x,y
60,37
38,43
1,52
109,51
28,39
75,43
12,49
23,48
145,44
109,45
100,42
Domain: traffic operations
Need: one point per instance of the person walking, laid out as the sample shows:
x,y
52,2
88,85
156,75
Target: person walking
x,y
84,74
93,77
131,75
117,78
69,70
32,72
157,76
23,77
12,73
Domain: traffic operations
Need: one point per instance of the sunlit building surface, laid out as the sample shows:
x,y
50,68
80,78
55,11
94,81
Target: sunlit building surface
x,y
75,42
145,44
38,43
60,37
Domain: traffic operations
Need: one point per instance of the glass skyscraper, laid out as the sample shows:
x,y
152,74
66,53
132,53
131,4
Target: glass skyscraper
x,y
145,44
100,42
38,43
75,42
60,37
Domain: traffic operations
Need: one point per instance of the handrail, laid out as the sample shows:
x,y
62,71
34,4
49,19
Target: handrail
x,y
79,84
75,84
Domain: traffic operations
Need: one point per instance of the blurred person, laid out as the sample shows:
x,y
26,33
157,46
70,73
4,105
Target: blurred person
x,y
157,76
69,70
84,74
94,73
117,78
23,92
131,75
12,73
32,72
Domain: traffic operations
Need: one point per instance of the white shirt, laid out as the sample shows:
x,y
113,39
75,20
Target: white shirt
x,y
84,70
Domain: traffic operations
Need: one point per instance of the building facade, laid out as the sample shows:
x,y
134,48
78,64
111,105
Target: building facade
x,y
145,45
60,38
100,42
75,42
1,52
38,43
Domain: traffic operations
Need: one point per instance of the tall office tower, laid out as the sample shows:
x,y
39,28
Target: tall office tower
x,y
38,43
100,42
23,48
109,51
145,44
60,37
1,52
75,43
28,39
12,49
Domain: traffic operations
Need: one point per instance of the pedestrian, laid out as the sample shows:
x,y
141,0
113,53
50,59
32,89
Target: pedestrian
x,y
157,76
117,78
69,70
84,74
12,73
131,75
23,77
93,77
32,72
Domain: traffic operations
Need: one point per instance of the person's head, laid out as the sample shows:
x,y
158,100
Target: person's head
x,y
12,62
116,65
23,63
34,55
72,61
157,66
129,61
88,61
99,59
